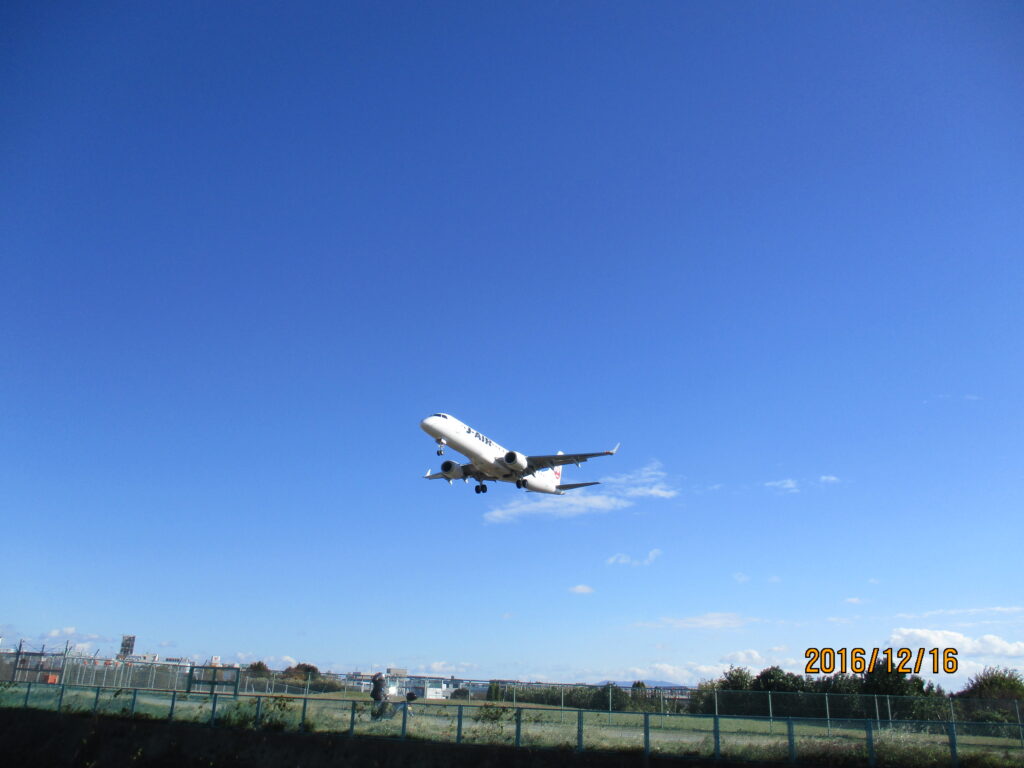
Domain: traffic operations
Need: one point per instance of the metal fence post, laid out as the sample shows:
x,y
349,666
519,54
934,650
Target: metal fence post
x,y
302,722
135,700
954,759
828,715
718,739
405,718
647,733
869,730
1020,725
458,730
771,715
579,730
28,692
716,702
519,726
96,701
352,720
60,698
213,709
174,698
791,736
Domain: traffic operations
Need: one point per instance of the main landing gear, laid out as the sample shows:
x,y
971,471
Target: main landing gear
x,y
519,483
480,488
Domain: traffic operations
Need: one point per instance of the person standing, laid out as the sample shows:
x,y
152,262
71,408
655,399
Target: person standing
x,y
379,696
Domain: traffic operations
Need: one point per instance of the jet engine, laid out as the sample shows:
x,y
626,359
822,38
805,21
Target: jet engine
x,y
515,460
451,469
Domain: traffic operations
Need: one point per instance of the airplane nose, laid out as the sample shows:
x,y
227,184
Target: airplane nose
x,y
427,423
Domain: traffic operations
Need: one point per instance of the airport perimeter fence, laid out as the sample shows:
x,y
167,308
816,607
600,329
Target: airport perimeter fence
x,y
59,667
856,706
854,742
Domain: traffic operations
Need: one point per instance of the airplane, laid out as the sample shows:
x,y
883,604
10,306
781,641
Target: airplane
x,y
488,461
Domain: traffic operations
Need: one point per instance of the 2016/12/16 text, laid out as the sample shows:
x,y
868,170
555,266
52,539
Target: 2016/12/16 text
x,y
857,660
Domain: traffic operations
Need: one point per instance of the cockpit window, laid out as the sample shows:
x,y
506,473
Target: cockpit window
x,y
443,416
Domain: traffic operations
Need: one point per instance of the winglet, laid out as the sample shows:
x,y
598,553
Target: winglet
x,y
613,451
426,475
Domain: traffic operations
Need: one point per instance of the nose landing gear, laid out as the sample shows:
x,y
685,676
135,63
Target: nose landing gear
x,y
440,446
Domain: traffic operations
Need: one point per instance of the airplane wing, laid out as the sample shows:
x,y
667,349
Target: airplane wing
x,y
468,471
545,462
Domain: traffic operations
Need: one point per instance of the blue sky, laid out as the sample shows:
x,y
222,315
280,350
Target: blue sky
x,y
775,250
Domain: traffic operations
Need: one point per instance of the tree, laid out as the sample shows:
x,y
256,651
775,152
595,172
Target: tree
x,y
460,693
994,683
776,679
736,679
608,697
880,680
258,669
493,691
302,672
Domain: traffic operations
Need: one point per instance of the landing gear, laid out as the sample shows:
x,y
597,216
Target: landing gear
x,y
519,483
440,446
440,451
480,488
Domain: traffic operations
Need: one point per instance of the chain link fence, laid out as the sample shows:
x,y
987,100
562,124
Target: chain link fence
x,y
861,742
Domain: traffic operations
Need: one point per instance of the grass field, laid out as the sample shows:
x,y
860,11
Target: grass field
x,y
838,742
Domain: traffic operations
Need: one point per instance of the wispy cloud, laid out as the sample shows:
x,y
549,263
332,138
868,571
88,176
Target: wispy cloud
x,y
704,621
617,492
581,589
748,658
649,480
827,479
998,609
623,559
740,578
854,600
788,485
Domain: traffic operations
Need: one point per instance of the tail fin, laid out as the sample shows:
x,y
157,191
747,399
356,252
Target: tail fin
x,y
558,470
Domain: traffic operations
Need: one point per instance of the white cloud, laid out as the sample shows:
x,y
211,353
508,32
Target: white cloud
x,y
623,559
986,645
828,479
788,485
65,632
581,589
704,621
619,492
874,581
854,600
688,673
748,658
774,579
972,397
291,662
740,578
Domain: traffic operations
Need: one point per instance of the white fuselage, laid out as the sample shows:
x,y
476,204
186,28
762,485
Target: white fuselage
x,y
487,456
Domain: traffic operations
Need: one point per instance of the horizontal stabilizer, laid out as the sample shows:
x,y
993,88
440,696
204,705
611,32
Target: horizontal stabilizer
x,y
570,486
